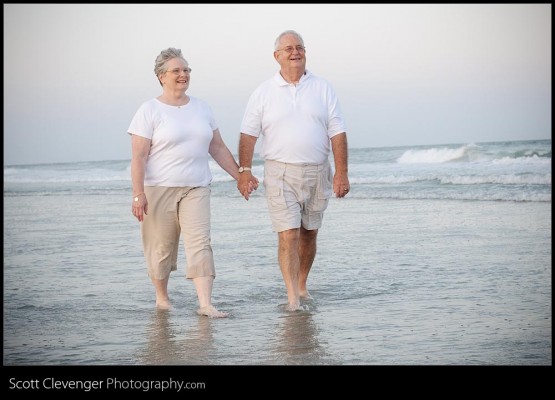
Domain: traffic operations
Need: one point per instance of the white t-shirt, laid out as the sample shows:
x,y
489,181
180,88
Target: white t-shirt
x,y
296,122
180,137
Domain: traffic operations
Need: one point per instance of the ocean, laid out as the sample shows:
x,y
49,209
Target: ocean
x,y
439,255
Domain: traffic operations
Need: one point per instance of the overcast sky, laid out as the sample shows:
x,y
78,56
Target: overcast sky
x,y
74,75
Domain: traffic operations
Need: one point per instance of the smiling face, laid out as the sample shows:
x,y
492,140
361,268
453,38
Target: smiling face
x,y
291,53
177,75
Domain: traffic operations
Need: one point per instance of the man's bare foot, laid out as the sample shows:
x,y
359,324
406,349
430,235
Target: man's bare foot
x,y
163,304
211,312
305,295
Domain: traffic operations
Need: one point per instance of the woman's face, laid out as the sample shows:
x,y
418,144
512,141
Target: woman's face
x,y
177,75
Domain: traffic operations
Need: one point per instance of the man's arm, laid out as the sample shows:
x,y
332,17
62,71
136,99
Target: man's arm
x,y
246,153
339,147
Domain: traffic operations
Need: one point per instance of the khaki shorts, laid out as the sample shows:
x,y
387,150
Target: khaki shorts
x,y
297,194
172,211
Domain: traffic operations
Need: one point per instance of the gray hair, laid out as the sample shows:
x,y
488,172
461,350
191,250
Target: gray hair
x,y
163,58
289,32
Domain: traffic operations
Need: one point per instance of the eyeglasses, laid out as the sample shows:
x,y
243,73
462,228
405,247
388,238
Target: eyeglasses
x,y
177,71
290,49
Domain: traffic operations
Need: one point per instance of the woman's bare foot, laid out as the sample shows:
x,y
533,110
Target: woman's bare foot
x,y
294,307
211,312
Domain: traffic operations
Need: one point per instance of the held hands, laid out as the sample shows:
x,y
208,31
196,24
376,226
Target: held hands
x,y
246,184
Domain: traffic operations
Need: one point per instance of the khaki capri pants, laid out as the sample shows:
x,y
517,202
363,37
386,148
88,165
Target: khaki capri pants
x,y
173,211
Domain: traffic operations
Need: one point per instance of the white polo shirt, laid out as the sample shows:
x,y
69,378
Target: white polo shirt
x,y
180,137
296,121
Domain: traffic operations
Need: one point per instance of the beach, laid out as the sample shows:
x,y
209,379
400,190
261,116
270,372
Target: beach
x,y
439,255
404,282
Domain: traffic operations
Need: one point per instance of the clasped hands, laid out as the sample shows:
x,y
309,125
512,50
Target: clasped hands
x,y
246,184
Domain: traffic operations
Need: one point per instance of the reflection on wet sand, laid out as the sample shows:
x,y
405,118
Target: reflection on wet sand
x,y
169,345
297,340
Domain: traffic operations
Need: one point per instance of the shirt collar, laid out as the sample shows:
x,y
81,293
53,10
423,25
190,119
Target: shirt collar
x,y
282,82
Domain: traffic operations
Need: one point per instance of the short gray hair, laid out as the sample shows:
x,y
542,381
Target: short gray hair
x,y
163,58
289,32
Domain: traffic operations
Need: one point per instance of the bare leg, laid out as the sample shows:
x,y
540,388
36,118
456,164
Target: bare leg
x,y
307,253
204,285
161,287
288,257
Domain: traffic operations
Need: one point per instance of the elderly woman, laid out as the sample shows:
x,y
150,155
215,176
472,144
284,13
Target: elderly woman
x,y
172,137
